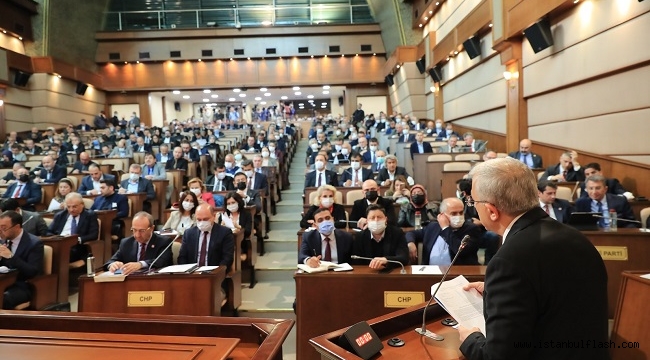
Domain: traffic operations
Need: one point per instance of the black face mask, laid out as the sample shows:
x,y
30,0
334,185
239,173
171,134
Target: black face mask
x,y
23,178
371,195
418,199
241,185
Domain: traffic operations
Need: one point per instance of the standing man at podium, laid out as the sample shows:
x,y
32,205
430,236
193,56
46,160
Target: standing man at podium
x,y
545,286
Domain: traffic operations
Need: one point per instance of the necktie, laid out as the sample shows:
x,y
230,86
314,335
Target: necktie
x,y
601,221
204,245
320,179
250,183
546,209
73,227
9,244
150,171
218,185
143,250
49,175
328,250
564,175
18,191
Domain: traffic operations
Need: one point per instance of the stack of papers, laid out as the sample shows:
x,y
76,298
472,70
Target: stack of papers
x,y
325,266
466,307
108,276
179,269
426,270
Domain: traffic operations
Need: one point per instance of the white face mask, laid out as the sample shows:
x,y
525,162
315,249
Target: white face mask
x,y
272,149
459,194
338,147
204,225
355,165
249,173
376,227
326,202
233,207
196,192
228,165
373,148
238,157
134,177
338,132
344,151
456,221
405,131
221,175
319,165
314,147
188,205
265,154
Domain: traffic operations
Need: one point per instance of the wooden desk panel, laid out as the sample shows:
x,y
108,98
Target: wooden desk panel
x,y
6,280
160,203
631,324
48,194
61,262
329,301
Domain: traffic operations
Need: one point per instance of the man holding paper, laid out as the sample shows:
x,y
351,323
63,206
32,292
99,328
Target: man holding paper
x,y
328,243
545,287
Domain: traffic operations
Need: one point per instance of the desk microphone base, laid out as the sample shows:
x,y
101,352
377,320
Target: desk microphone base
x,y
429,334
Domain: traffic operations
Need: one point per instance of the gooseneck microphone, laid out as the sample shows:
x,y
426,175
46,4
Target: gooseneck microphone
x,y
161,254
618,219
26,221
423,330
403,271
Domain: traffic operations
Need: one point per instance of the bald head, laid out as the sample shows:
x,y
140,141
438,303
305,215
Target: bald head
x,y
524,146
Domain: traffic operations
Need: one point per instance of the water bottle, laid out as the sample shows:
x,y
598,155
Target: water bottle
x,y
90,265
613,220
418,220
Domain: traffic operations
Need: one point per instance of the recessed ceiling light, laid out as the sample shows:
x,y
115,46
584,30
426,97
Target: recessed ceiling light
x,y
326,92
426,18
263,103
242,95
267,94
298,93
324,103
490,25
301,104
236,90
186,96
231,59
206,100
437,3
323,106
199,60
296,88
430,11
137,61
263,89
310,96
310,101
326,87
214,96
207,91
284,97
232,99
258,98
248,58
342,55
420,25
176,92
20,38
266,23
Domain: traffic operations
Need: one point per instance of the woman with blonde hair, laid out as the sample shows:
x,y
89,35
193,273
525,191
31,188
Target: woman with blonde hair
x,y
64,187
399,190
197,187
325,198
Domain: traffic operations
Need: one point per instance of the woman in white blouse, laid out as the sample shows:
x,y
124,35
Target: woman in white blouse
x,y
58,202
183,218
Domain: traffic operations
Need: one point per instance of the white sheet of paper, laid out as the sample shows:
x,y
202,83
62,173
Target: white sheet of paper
x,y
4,269
176,268
426,270
343,267
227,221
206,268
646,276
466,307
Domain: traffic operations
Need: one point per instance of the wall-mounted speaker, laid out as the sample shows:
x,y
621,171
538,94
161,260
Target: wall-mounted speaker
x,y
473,47
421,65
81,88
177,106
539,35
435,74
341,100
21,78
389,80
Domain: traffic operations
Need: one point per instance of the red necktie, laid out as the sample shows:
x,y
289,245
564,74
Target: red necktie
x,y
204,246
546,209
328,250
17,193
143,250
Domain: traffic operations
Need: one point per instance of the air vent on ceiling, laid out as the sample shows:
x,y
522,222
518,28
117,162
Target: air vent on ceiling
x,y
206,52
366,47
303,50
113,56
270,51
144,55
239,51
335,48
175,54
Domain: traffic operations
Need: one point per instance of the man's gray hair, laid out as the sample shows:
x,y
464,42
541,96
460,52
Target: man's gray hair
x,y
74,196
506,183
597,178
146,215
390,157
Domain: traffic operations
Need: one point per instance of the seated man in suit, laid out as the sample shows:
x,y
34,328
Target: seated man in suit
x,y
256,181
151,170
472,144
599,201
219,180
229,163
613,185
33,222
90,183
11,176
81,165
189,153
370,191
25,188
380,162
177,162
419,146
532,160
140,146
138,251
451,146
207,243
251,197
386,176
441,240
355,175
109,200
320,176
380,241
568,169
31,148
121,150
21,251
558,209
370,156
76,146
137,184
317,245
164,155
75,220
402,134
50,173
447,133
250,145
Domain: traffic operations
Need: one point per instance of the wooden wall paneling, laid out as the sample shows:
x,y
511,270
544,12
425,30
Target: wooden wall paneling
x,y
439,102
525,13
352,92
118,76
366,69
133,97
479,17
496,141
180,73
421,50
275,72
149,75
304,71
242,72
210,73
444,47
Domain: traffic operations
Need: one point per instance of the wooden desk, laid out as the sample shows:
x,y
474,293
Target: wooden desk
x,y
632,323
400,324
259,339
48,191
184,294
179,182
323,300
7,280
106,222
61,262
622,250
160,203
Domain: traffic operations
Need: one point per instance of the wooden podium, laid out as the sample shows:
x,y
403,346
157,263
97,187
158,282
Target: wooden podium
x,y
631,331
400,324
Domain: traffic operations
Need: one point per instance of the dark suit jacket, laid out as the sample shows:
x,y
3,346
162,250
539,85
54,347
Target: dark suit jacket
x,y
256,147
128,252
544,274
367,156
425,146
146,148
330,179
87,183
338,213
382,175
429,234
260,182
106,203
245,221
311,242
28,259
31,192
618,203
173,164
613,187
58,173
81,167
537,160
144,186
35,226
194,155
87,226
220,249
572,175
359,210
563,210
36,151
227,182
406,139
393,244
366,174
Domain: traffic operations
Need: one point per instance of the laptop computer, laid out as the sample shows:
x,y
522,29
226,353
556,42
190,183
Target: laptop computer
x,y
584,221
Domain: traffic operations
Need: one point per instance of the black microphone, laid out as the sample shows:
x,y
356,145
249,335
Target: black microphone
x,y
423,330
403,271
161,254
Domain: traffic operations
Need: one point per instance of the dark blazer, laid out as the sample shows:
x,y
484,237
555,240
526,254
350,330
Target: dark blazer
x,y
406,138
367,156
544,274
37,150
330,179
31,192
425,146
106,203
366,174
260,181
338,213
87,226
145,148
382,175
563,210
245,221
81,167
618,203
28,259
572,175
193,155
176,164
429,234
87,183
58,173
359,210
393,245
220,249
256,147
613,187
311,242
128,252
227,182
144,186
537,160
35,226
254,198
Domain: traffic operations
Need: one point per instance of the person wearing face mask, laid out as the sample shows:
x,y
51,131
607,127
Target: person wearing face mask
x,y
370,190
327,244
355,175
321,176
313,147
219,180
418,204
207,243
251,197
239,220
441,240
256,180
25,188
239,158
183,218
267,159
137,184
197,187
380,161
229,163
405,136
380,241
343,155
325,199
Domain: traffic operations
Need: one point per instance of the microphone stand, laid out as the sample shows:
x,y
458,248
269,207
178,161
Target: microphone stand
x,y
161,254
618,219
403,271
423,330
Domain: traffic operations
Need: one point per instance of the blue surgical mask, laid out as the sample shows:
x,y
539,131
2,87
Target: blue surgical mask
x,y
326,227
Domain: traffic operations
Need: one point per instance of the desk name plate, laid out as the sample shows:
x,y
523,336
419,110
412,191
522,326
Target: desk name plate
x,y
403,299
617,253
146,299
